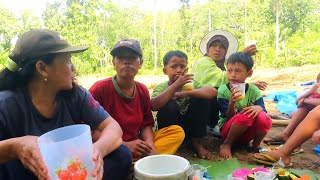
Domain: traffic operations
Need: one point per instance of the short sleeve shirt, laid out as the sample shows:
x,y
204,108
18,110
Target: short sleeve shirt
x,y
132,114
252,97
19,117
182,103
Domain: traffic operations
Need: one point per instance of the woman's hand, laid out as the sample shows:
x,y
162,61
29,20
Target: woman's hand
x,y
27,151
262,85
250,50
98,160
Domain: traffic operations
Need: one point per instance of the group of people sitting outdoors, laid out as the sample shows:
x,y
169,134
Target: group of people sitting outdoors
x,y
39,94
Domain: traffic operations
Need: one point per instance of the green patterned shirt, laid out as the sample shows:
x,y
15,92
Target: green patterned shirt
x,y
182,103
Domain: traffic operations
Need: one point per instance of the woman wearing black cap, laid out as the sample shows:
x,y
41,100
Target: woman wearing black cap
x,y
38,94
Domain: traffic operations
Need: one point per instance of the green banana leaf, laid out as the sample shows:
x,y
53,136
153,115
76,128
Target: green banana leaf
x,y
221,169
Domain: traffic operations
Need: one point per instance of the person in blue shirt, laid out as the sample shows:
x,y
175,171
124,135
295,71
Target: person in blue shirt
x,y
38,94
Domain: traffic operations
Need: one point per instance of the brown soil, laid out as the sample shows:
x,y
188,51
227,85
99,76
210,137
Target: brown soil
x,y
278,79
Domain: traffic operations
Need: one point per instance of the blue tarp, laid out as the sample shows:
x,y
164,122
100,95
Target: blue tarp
x,y
308,83
286,100
317,149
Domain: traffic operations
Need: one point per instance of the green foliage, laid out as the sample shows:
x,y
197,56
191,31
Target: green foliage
x,y
3,58
99,24
9,28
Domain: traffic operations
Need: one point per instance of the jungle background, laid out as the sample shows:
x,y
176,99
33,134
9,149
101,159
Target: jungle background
x,y
287,31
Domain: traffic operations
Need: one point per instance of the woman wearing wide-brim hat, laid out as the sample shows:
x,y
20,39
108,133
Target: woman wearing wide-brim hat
x,y
209,70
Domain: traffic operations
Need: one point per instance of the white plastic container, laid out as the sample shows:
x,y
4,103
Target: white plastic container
x,y
162,167
64,146
197,171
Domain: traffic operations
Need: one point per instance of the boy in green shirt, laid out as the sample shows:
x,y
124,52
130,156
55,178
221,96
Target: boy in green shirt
x,y
181,107
242,119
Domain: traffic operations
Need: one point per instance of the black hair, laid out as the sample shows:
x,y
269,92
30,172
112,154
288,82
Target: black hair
x,y
21,77
242,58
170,54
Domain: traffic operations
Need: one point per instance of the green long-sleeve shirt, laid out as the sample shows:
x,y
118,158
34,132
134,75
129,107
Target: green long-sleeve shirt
x,y
207,73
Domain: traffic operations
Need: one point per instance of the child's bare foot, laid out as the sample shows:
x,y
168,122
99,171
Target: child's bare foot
x,y
201,151
225,151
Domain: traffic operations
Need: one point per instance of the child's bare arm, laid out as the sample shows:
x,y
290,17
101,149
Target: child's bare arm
x,y
205,92
164,97
312,101
313,90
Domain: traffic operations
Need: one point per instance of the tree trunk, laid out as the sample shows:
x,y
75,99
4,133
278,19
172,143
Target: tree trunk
x,y
277,30
245,22
209,19
155,35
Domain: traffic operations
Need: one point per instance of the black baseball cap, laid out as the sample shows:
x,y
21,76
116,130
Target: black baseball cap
x,y
130,44
39,42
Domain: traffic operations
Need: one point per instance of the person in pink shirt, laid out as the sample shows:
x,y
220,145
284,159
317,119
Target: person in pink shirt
x,y
306,102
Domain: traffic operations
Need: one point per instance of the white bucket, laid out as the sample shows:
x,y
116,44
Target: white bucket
x,y
161,167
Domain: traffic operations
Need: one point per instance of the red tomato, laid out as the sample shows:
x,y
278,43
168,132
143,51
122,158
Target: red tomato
x,y
81,174
64,175
77,162
73,168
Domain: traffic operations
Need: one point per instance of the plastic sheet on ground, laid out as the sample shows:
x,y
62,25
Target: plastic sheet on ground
x,y
286,100
317,149
307,83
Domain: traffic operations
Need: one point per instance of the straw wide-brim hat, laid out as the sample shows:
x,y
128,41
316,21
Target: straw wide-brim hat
x,y
233,42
